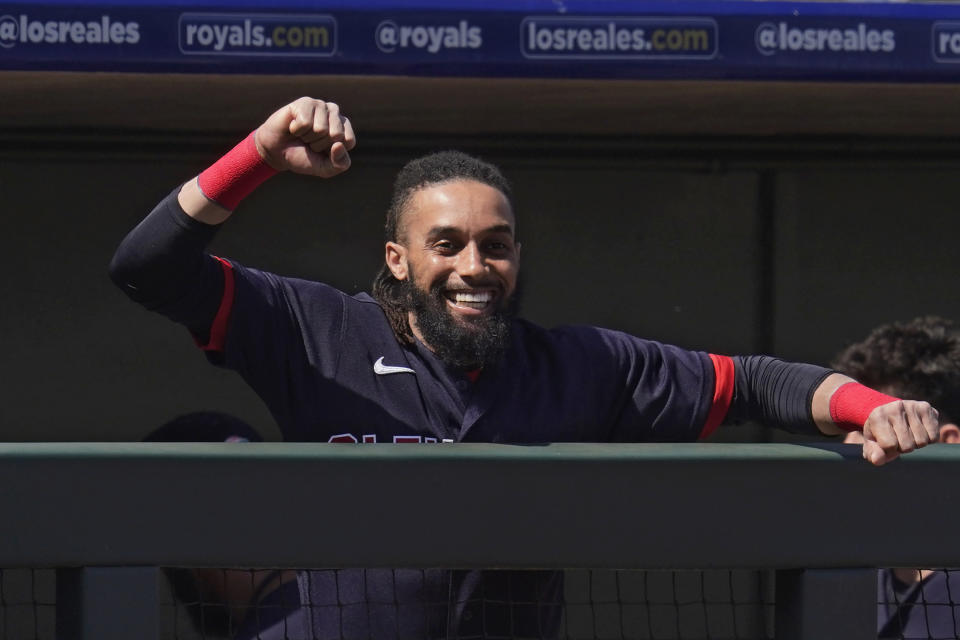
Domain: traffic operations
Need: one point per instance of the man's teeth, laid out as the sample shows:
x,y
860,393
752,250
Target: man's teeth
x,y
477,300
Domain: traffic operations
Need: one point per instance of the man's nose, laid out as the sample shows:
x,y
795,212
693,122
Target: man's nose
x,y
470,262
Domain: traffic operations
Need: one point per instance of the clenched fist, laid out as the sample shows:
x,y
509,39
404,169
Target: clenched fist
x,y
895,428
307,136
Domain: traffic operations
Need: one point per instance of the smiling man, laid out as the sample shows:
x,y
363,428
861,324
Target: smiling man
x,y
437,354
449,277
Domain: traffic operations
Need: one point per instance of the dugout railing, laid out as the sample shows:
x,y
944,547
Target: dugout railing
x,y
106,516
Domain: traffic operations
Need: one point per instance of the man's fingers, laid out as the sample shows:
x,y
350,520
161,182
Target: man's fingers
x,y
886,434
914,413
899,421
308,136
321,120
349,138
317,130
333,130
339,156
853,437
881,428
875,455
330,163
321,146
334,123
899,427
303,115
889,427
930,418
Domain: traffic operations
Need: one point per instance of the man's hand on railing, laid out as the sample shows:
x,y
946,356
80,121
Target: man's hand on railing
x,y
895,428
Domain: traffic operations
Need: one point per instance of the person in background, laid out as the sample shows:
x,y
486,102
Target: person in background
x,y
916,360
231,603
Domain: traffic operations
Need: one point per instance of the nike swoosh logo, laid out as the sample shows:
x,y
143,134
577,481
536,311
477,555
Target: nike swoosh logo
x,y
384,369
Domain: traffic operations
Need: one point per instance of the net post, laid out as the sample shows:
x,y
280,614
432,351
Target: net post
x,y
826,604
107,603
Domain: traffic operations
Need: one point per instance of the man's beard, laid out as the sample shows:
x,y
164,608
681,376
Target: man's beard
x,y
464,344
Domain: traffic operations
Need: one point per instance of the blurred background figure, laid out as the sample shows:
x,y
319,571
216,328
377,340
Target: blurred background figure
x,y
916,360
242,604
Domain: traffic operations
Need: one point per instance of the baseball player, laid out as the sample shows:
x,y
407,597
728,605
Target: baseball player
x,y
437,354
919,359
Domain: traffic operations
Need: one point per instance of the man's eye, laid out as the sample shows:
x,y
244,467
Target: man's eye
x,y
444,246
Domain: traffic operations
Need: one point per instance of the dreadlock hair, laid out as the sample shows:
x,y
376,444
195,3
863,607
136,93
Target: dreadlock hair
x,y
428,171
916,360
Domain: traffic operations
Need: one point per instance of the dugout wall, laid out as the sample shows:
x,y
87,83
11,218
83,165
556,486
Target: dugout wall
x,y
773,203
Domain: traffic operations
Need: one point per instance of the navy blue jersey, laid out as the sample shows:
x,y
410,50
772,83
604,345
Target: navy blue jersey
x,y
277,615
419,604
928,608
329,368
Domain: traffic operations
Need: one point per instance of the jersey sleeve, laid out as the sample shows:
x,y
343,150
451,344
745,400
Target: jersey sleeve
x,y
660,393
276,332
282,335
672,394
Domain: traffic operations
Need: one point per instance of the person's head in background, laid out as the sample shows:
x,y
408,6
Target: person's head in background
x,y
915,360
204,426
215,599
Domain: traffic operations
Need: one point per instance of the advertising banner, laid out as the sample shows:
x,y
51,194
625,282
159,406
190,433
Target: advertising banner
x,y
587,39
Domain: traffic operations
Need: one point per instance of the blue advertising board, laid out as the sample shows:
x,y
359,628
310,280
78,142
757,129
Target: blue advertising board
x,y
542,38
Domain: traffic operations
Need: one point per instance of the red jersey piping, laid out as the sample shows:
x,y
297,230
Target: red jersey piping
x,y
218,330
722,393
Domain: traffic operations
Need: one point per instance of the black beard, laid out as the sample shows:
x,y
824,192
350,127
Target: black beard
x,y
464,345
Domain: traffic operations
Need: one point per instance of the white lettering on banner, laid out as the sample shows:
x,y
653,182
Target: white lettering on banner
x,y
390,36
946,42
9,31
771,38
263,34
584,37
609,38
949,43
21,29
221,35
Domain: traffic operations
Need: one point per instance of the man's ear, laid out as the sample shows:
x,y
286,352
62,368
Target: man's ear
x,y
949,433
396,259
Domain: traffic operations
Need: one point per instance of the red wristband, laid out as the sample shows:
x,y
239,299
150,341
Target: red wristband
x,y
851,404
234,176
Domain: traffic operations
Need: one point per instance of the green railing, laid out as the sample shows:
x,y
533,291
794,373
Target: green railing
x,y
106,515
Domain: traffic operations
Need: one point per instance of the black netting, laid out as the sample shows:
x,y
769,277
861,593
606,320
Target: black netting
x,y
918,603
573,604
217,604
27,604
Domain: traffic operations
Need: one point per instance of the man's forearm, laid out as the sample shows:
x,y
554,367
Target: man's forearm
x,y
820,406
776,392
219,189
199,207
